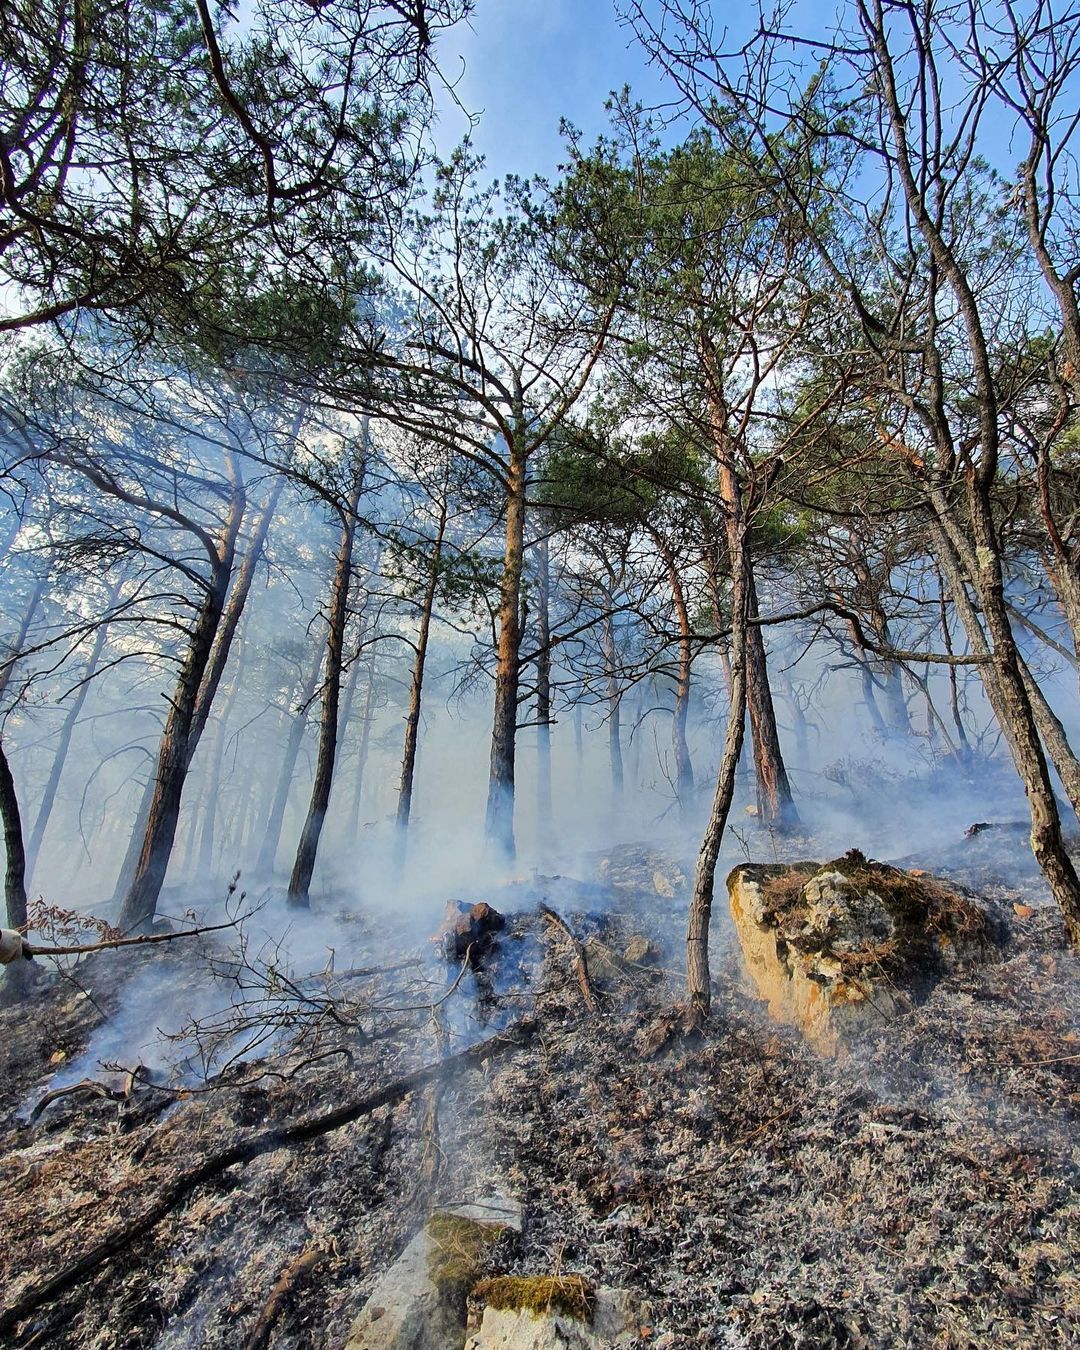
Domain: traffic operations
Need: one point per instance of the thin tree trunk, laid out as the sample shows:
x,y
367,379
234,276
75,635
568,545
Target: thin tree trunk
x,y
614,699
362,751
499,823
684,768
304,866
416,688
1003,680
699,990
543,690
264,864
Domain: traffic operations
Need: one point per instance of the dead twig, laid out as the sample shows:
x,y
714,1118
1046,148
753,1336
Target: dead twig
x,y
581,961
290,1277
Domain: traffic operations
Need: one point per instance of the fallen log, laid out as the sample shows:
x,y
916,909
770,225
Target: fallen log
x,y
266,1141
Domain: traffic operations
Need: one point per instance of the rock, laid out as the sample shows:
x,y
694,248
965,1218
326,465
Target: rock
x,y
639,950
834,948
419,1303
466,926
616,1320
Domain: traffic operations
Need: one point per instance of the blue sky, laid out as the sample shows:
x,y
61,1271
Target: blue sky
x,y
527,64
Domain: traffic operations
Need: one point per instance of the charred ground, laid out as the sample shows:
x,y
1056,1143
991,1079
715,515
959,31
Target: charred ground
x,y
924,1190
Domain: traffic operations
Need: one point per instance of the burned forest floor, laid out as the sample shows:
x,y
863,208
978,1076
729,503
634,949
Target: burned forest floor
x,y
922,1189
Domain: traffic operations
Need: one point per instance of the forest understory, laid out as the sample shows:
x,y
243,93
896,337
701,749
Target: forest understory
x,y
921,1190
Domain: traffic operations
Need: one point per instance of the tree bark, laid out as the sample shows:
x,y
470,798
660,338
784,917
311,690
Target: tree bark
x,y
776,805
304,866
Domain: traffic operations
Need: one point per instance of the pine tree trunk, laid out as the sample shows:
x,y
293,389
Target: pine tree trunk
x,y
499,824
307,850
1003,680
215,668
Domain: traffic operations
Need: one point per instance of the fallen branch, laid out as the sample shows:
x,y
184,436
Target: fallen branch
x,y
581,961
287,1281
30,949
266,1141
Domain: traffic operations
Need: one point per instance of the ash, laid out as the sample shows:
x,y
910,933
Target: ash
x,y
922,1191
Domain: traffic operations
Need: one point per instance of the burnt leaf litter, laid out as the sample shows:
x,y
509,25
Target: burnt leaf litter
x,y
920,1189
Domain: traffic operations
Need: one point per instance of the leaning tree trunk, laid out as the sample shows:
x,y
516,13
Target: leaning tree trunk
x,y
699,990
16,976
416,689
499,823
1003,679
304,866
174,758
264,864
208,685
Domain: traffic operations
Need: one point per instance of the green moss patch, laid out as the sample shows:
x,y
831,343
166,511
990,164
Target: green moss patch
x,y
460,1248
539,1294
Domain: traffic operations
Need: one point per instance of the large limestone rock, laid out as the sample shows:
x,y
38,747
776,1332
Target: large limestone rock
x,y
834,948
615,1320
419,1304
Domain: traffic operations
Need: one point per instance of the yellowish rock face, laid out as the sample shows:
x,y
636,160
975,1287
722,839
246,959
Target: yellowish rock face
x,y
834,948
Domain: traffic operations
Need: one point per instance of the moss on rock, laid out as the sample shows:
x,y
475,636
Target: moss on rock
x,y
460,1248
571,1295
